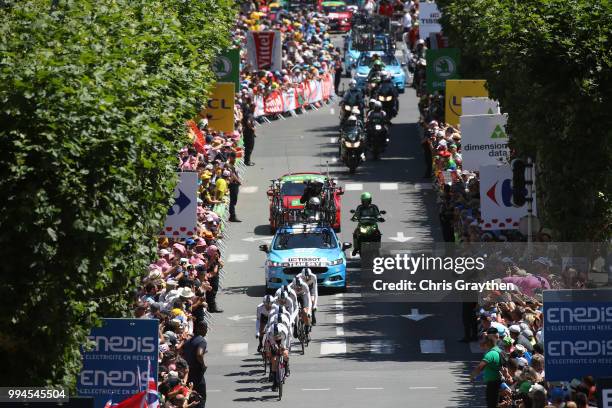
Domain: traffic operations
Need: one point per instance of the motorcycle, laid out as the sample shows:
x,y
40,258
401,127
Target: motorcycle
x,y
367,230
348,110
352,149
377,134
388,105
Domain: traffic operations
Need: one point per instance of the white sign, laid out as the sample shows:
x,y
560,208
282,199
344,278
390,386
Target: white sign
x,y
182,218
483,140
479,106
428,19
496,209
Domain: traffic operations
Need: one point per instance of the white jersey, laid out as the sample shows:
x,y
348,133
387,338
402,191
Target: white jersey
x,y
311,281
262,311
303,293
290,291
284,318
290,306
284,332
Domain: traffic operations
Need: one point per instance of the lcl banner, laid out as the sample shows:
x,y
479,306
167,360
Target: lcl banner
x,y
264,50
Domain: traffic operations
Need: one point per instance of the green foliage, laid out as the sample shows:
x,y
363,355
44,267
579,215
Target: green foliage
x,y
549,63
93,96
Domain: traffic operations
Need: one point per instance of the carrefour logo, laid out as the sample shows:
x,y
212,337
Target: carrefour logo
x,y
501,193
444,66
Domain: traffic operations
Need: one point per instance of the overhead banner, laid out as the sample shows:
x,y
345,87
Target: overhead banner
x,y
116,367
442,64
429,17
456,89
220,107
182,219
227,67
478,106
496,209
484,140
577,334
264,50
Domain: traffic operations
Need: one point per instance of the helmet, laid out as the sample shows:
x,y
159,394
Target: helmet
x,y
281,309
373,101
377,105
421,42
267,300
352,119
307,272
355,110
366,198
283,296
352,84
314,201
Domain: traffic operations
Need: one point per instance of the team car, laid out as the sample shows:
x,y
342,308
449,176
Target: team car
x,y
285,195
297,246
392,66
338,15
356,44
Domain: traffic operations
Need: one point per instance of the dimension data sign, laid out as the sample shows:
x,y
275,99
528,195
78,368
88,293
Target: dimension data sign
x,y
442,64
116,367
484,140
577,333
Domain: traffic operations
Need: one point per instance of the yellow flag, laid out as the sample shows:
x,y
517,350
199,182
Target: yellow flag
x,y
457,89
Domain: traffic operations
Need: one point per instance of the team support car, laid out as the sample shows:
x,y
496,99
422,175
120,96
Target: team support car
x,y
356,43
297,246
285,194
338,15
393,67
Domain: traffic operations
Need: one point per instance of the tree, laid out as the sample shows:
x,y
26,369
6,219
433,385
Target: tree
x,y
549,63
94,95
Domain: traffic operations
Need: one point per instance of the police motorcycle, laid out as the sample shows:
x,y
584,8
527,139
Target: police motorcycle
x,y
352,144
377,130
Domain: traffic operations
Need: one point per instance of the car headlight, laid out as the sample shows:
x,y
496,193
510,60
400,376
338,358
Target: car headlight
x,y
349,144
336,262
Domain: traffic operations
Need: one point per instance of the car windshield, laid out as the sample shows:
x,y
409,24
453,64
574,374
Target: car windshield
x,y
290,188
334,9
320,240
366,60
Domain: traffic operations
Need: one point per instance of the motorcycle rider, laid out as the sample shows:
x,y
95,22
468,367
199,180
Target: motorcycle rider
x,y
386,88
365,209
310,279
352,124
353,96
376,116
264,311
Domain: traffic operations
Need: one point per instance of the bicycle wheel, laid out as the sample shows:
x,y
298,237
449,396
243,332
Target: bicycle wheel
x,y
265,362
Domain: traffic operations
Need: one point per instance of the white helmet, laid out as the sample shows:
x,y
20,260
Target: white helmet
x,y
377,104
352,83
421,42
373,101
352,118
314,201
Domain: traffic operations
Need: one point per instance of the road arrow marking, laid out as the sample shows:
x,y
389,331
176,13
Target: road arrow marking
x,y
400,237
253,239
415,315
237,318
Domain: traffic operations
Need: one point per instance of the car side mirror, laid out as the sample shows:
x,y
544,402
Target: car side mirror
x,y
383,212
352,211
264,248
346,245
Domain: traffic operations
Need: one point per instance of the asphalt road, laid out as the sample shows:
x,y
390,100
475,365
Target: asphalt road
x,y
363,353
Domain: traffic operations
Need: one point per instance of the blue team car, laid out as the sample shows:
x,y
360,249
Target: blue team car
x,y
305,245
392,66
378,42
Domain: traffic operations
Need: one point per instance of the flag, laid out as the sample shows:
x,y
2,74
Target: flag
x,y
109,403
152,396
135,401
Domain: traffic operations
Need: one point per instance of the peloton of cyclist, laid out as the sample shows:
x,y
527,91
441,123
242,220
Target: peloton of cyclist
x,y
310,279
265,309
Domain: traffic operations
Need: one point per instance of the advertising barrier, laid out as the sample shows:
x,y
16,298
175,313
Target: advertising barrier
x,y
484,140
456,89
479,106
287,100
116,367
264,50
182,218
429,17
220,107
442,64
577,333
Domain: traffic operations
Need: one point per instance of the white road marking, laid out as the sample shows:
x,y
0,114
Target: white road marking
x,y
369,388
213,390
238,258
236,349
339,318
339,304
315,389
332,111
400,237
423,186
339,294
432,346
333,347
381,347
475,347
388,186
353,187
423,388
249,189
339,331
333,140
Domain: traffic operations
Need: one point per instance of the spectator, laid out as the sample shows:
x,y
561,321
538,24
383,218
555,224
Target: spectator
x,y
194,351
490,366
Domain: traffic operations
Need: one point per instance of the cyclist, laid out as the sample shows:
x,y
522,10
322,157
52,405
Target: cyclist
x,y
284,300
304,301
277,343
264,311
310,279
292,296
281,316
